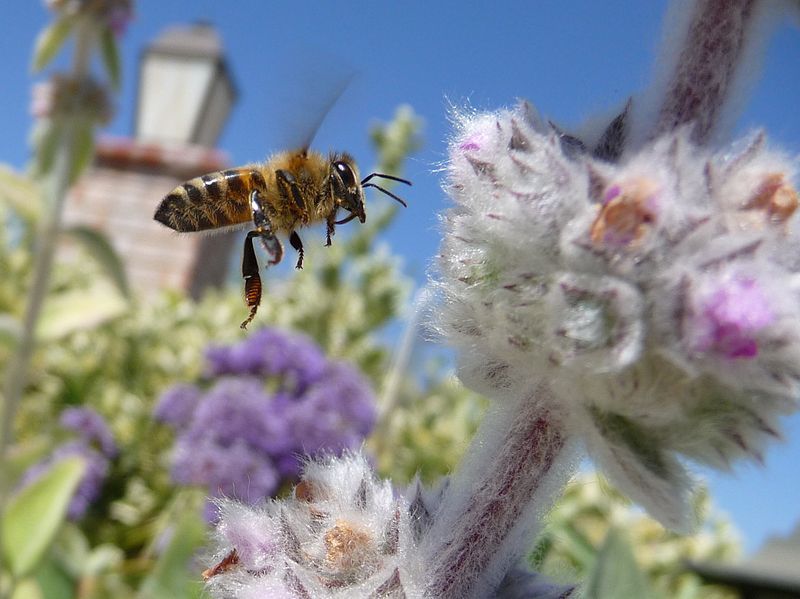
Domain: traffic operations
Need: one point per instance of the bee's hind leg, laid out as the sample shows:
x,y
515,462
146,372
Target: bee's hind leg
x,y
297,244
252,280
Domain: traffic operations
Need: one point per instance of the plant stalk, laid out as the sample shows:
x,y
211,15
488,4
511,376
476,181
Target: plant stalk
x,y
55,192
491,512
706,68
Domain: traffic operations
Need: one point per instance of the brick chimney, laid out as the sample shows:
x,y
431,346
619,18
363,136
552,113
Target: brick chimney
x,y
184,81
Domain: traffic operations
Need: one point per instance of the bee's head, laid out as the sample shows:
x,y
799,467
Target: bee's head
x,y
346,187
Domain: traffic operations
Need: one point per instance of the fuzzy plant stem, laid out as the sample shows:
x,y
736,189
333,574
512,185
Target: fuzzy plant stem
x,y
492,508
56,189
706,67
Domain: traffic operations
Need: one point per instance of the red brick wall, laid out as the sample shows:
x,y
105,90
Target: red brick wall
x,y
119,195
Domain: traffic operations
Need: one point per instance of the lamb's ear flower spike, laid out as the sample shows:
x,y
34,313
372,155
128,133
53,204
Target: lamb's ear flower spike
x,y
636,292
341,530
648,294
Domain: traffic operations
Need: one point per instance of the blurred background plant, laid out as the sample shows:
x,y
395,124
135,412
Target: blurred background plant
x,y
595,534
86,360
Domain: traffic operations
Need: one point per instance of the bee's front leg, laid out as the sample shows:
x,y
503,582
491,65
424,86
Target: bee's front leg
x,y
331,222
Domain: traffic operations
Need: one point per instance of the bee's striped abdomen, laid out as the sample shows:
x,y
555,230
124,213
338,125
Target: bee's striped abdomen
x,y
214,200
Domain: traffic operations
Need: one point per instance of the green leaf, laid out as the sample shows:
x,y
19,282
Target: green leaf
x,y
624,431
80,309
54,582
82,149
99,247
637,463
34,516
615,572
110,54
171,576
46,137
20,193
50,41
28,589
578,547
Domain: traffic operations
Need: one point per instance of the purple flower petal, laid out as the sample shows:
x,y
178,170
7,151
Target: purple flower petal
x,y
731,317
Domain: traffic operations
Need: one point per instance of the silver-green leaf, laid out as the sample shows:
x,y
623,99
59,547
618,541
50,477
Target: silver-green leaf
x,y
99,247
35,514
50,41
110,53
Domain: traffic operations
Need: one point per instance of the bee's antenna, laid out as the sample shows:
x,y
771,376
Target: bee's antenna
x,y
387,192
381,189
382,176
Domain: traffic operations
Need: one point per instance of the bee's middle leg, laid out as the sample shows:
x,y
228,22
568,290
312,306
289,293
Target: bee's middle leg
x,y
297,244
264,231
272,245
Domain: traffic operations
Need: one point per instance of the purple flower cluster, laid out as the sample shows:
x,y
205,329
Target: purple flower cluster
x,y
95,444
272,399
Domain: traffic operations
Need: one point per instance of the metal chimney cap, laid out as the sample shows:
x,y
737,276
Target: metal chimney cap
x,y
197,39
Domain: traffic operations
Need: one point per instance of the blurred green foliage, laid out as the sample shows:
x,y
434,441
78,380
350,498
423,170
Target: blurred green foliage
x,y
593,528
428,428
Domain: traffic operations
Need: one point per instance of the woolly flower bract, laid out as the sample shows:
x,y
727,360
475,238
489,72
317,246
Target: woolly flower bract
x,y
654,291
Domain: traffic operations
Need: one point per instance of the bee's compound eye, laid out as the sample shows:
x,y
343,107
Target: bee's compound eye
x,y
345,172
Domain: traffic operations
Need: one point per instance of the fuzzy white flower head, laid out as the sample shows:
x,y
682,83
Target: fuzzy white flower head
x,y
341,533
652,292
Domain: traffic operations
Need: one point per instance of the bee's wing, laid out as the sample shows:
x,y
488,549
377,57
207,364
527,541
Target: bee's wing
x,y
215,200
301,108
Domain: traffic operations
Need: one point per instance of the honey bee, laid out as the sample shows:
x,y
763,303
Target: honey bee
x,y
291,190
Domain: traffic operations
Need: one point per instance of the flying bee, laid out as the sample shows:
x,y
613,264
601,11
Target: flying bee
x,y
291,190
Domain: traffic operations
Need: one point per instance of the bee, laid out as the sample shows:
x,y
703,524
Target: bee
x,y
291,190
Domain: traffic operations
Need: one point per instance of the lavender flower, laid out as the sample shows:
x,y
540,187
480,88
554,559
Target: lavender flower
x,y
273,397
91,427
292,359
94,433
176,405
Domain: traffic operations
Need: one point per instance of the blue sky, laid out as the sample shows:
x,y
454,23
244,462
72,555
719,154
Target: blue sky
x,y
571,59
